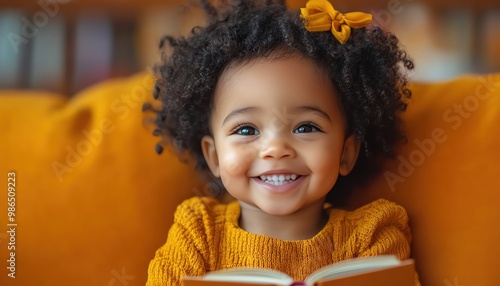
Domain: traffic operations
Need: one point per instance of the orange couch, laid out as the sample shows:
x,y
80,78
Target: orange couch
x,y
93,201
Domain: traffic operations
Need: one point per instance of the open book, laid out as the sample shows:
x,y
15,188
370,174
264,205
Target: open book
x,y
385,270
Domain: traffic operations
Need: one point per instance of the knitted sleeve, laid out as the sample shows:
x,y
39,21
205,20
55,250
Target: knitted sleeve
x,y
382,228
186,248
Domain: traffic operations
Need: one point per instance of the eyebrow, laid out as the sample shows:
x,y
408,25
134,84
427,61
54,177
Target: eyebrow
x,y
252,109
313,108
240,111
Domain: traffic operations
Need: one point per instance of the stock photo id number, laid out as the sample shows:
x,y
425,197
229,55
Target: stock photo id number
x,y
11,224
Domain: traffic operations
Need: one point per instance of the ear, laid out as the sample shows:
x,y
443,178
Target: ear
x,y
210,154
349,155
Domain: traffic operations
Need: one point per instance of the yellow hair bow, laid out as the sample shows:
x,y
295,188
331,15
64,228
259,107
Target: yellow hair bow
x,y
321,16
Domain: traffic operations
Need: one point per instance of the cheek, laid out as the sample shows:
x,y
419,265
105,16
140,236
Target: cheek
x,y
326,171
233,167
235,161
325,160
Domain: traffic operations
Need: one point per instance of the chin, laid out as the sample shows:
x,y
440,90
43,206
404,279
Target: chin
x,y
278,210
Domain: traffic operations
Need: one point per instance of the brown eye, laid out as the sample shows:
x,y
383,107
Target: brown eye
x,y
306,128
246,131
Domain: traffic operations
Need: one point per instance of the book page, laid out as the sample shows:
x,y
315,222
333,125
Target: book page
x,y
254,275
400,275
351,266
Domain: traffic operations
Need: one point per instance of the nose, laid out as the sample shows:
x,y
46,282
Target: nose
x,y
277,147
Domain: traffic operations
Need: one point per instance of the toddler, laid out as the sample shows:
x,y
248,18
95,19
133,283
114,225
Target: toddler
x,y
290,110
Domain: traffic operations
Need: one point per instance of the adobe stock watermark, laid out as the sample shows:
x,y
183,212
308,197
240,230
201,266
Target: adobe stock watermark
x,y
384,17
455,282
120,278
121,106
30,27
454,117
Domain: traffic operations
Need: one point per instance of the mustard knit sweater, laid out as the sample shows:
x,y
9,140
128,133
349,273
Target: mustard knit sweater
x,y
205,236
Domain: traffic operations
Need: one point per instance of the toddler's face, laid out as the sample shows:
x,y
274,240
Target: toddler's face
x,y
278,135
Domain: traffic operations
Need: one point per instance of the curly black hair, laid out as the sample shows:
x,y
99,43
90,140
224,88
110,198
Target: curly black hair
x,y
368,72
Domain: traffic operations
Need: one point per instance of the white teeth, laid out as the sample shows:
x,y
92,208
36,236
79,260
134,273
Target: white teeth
x,y
279,179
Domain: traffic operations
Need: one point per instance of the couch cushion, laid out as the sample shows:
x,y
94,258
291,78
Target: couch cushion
x,y
448,178
94,201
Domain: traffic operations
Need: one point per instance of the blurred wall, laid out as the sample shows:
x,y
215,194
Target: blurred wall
x,y
65,46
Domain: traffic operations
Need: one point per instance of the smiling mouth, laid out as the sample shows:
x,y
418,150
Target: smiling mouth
x,y
279,179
